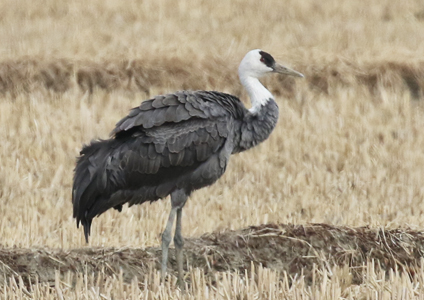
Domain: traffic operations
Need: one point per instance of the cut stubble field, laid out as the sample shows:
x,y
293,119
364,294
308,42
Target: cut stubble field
x,y
330,206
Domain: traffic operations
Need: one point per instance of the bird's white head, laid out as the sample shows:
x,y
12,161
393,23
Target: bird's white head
x,y
255,64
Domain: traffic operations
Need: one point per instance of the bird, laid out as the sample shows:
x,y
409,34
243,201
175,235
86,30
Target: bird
x,y
174,144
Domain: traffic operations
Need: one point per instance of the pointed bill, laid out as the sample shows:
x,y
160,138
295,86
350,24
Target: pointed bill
x,y
277,68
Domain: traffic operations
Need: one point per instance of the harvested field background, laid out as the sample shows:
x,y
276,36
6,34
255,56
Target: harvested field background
x,y
339,183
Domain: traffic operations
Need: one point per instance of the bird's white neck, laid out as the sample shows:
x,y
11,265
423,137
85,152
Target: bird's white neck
x,y
258,94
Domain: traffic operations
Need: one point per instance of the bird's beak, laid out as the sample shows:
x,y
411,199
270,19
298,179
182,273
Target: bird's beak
x,y
277,68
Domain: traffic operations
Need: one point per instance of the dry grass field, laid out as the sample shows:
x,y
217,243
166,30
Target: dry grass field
x,y
330,207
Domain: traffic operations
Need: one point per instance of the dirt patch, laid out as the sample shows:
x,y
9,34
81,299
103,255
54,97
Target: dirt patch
x,y
295,249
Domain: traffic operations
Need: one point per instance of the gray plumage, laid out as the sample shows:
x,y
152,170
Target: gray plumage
x,y
178,141
172,145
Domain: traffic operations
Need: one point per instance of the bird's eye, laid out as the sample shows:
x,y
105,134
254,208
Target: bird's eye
x,y
267,59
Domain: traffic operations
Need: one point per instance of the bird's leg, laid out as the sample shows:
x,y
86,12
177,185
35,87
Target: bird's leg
x,y
178,199
166,240
179,244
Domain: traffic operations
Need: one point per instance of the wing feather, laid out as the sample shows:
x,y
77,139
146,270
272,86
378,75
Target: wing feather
x,y
170,113
171,100
158,102
145,105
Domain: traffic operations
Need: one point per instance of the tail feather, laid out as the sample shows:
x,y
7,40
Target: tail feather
x,y
110,173
87,187
87,230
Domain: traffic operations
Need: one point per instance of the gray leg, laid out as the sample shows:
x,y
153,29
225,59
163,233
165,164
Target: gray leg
x,y
179,244
178,199
166,240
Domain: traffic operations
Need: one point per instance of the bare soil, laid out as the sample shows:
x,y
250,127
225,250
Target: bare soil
x,y
294,249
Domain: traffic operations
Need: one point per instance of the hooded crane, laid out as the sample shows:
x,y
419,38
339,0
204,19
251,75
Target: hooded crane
x,y
172,145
